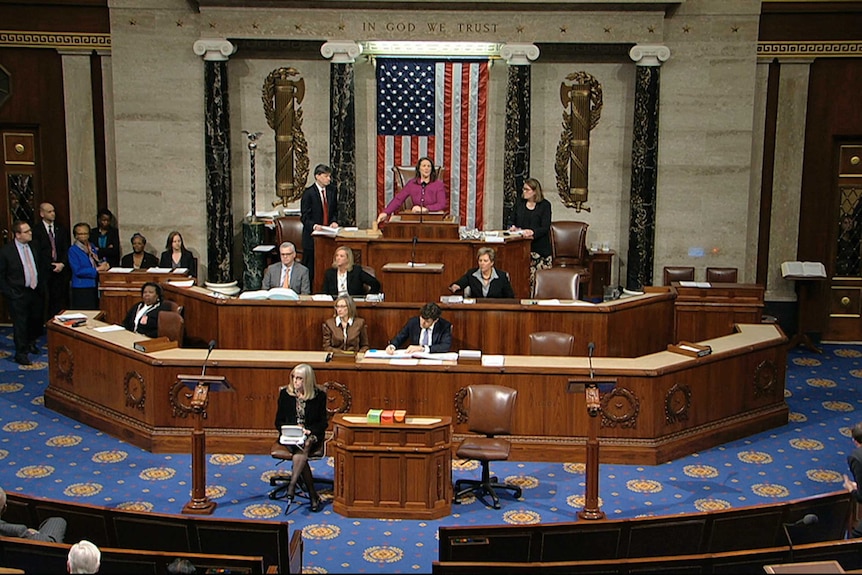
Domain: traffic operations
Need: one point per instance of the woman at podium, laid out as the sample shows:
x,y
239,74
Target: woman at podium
x,y
346,278
302,403
532,217
425,190
345,331
485,280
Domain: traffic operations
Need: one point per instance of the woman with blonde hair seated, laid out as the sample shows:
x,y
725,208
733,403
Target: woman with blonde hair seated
x,y
344,331
345,277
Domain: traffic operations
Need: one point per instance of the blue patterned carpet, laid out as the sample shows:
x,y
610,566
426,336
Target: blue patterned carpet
x,y
48,455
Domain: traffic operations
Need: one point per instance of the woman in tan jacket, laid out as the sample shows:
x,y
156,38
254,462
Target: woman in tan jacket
x,y
345,331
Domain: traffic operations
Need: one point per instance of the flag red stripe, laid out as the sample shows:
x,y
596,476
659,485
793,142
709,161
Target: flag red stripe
x,y
481,121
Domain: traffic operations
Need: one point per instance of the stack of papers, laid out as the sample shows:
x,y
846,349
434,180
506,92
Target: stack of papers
x,y
493,360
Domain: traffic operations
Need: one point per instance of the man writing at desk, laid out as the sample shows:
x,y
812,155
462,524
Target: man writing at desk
x,y
428,333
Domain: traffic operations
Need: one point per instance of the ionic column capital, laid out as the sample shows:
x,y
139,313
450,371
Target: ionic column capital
x,y
214,49
649,54
341,52
519,54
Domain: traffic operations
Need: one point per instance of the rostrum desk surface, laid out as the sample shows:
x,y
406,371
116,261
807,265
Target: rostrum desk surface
x,y
664,405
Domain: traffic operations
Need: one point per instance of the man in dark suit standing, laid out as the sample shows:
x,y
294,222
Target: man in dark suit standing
x,y
428,333
21,282
52,242
318,208
854,461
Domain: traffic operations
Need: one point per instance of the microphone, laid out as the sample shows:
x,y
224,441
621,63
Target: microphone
x,y
809,519
413,250
591,348
209,351
422,203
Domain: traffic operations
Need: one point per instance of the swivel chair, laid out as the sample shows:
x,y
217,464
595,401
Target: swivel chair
x,y
289,229
489,409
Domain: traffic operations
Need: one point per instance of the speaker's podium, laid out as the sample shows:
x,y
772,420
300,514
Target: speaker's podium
x,y
429,226
200,385
392,470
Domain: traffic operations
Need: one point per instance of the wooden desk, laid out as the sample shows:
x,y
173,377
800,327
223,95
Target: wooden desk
x,y
120,291
664,406
392,471
457,256
703,313
600,263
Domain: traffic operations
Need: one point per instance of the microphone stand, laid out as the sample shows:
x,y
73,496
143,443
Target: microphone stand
x,y
413,252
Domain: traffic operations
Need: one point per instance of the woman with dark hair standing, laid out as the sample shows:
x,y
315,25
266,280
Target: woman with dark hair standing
x,y
532,217
302,403
106,237
143,318
177,256
425,190
85,265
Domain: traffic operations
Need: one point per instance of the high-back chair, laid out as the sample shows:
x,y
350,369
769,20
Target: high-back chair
x,y
280,452
489,409
289,229
722,275
569,243
677,274
551,343
403,174
557,283
172,326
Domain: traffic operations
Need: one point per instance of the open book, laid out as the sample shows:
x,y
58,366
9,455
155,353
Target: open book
x,y
402,354
274,293
803,269
325,231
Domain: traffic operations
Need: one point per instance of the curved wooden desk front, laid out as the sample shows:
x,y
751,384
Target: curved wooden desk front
x,y
664,406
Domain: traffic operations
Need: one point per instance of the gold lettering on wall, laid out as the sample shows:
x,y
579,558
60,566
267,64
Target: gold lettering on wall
x,y
462,28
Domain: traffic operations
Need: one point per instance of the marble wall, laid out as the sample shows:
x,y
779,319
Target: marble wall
x,y
708,93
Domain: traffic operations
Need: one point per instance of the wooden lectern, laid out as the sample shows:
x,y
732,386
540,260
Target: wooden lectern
x,y
200,385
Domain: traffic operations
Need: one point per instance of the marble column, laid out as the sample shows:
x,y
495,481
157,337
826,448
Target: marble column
x,y
342,125
215,53
516,151
641,254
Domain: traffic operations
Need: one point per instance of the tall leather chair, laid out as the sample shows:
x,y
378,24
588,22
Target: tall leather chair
x,y
489,409
551,343
569,243
557,283
281,453
403,174
722,275
289,229
172,326
677,274
171,305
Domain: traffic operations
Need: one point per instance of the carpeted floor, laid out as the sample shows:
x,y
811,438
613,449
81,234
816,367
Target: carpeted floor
x,y
45,454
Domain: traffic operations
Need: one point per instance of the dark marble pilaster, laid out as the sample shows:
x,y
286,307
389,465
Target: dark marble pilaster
x,y
342,139
217,158
641,252
253,262
516,152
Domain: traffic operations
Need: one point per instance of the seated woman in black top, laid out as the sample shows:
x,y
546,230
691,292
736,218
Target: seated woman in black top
x,y
532,218
144,317
344,277
177,256
139,259
485,280
302,403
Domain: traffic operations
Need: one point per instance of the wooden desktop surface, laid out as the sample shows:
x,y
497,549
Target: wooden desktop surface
x,y
664,405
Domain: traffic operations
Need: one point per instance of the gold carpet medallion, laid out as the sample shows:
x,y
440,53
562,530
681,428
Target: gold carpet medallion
x,y
806,361
20,426
215,491
11,387
262,511
522,517
806,444
87,489
756,457
383,554
710,504
226,458
820,382
157,473
522,481
111,456
576,468
844,352
39,400
855,372
773,490
824,476
464,464
701,471
64,441
34,471
578,501
837,406
643,486
3,454
796,417
321,531
136,506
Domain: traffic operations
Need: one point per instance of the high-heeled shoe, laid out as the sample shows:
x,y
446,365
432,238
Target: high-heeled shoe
x,y
315,504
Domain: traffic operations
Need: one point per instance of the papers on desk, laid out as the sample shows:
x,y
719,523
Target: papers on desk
x,y
182,283
71,316
325,231
695,284
493,360
159,270
494,239
264,248
404,360
276,293
180,271
109,328
559,302
120,270
322,297
401,355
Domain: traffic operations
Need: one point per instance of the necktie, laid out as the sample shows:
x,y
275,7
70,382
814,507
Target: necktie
x,y
325,207
286,283
53,242
426,337
31,267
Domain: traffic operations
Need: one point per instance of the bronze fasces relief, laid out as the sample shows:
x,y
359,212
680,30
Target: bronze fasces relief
x,y
581,97
282,94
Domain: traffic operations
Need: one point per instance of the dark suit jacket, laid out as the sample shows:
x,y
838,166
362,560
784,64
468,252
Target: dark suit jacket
x,y
441,335
150,261
187,260
12,282
111,251
62,240
499,288
311,211
357,279
151,329
316,418
357,336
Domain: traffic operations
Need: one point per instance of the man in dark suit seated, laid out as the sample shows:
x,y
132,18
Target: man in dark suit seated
x,y
52,529
22,282
427,332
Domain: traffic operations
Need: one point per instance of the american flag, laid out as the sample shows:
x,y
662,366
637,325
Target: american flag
x,y
439,110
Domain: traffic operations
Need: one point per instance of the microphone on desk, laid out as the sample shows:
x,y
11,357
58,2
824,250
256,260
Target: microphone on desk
x,y
809,519
591,347
209,351
413,251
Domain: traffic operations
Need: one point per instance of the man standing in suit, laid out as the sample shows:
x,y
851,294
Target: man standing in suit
x,y
287,273
854,460
52,529
52,242
318,208
21,281
428,333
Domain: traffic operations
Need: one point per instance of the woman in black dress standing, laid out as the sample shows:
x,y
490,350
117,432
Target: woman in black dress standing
x,y
532,217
